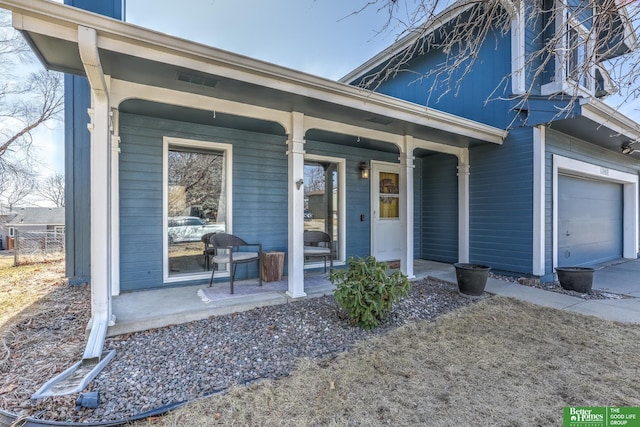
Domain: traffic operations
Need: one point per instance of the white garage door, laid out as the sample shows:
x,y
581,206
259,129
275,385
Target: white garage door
x,y
589,221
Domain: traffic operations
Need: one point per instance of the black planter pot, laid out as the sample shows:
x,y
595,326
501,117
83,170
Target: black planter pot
x,y
472,278
579,279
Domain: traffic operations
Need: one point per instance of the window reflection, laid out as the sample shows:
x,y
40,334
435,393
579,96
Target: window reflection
x,y
321,200
195,205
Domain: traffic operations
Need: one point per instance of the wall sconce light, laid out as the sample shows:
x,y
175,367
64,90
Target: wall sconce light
x,y
627,147
299,183
364,170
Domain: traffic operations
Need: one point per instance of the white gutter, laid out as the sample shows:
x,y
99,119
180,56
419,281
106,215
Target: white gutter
x,y
605,115
100,194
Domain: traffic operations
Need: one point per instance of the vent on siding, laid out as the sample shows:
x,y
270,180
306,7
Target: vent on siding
x,y
197,79
380,120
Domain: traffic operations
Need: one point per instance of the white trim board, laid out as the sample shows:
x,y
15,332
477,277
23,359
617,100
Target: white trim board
x,y
630,199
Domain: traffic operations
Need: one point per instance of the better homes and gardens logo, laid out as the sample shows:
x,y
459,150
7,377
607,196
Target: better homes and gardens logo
x,y
601,416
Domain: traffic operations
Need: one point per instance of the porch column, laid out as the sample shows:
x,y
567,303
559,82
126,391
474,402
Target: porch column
x,y
115,202
406,206
463,206
295,155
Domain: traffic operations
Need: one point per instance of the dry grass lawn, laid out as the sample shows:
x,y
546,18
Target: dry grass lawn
x,y
498,362
23,286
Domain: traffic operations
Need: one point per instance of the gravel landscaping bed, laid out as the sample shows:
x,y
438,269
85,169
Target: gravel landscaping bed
x,y
158,367
555,287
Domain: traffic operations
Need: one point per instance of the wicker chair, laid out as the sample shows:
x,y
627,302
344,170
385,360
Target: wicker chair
x,y
234,253
318,244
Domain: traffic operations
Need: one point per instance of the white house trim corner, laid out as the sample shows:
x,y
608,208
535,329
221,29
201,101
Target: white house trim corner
x,y
539,142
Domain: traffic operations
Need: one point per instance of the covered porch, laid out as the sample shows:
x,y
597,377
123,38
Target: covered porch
x,y
156,308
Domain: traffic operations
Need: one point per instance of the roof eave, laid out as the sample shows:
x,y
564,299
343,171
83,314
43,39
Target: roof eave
x,y
62,22
607,116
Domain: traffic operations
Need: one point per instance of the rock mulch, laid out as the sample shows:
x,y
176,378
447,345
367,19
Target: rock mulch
x,y
158,367
555,287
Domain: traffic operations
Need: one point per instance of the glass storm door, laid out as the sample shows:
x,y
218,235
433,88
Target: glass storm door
x,y
386,231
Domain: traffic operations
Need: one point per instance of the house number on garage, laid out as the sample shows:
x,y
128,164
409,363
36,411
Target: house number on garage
x,y
604,171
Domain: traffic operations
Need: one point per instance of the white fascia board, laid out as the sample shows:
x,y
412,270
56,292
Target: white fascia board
x,y
603,114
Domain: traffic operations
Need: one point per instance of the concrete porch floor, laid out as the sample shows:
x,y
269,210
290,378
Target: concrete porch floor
x,y
156,308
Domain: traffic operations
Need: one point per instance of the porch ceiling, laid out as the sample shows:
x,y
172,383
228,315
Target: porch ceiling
x,y
135,54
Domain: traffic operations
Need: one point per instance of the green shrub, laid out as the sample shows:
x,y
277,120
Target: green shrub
x,y
365,290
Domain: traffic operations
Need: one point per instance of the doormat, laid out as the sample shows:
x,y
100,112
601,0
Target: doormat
x,y
394,264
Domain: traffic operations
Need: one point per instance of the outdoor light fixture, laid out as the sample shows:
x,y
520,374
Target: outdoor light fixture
x,y
364,170
627,147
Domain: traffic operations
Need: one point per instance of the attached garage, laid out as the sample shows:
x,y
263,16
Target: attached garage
x,y
589,221
595,213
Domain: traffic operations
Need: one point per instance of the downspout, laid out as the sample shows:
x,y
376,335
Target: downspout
x,y
76,378
100,195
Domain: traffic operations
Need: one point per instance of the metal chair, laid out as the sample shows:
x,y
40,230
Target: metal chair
x,y
318,244
234,254
209,251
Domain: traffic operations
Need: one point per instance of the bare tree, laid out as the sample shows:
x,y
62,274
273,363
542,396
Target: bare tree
x,y
25,102
592,47
17,185
195,182
51,188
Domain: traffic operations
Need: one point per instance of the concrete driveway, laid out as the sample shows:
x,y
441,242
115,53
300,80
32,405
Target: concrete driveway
x,y
620,277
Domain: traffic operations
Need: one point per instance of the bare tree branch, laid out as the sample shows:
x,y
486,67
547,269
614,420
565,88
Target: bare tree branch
x,y
575,44
52,189
25,103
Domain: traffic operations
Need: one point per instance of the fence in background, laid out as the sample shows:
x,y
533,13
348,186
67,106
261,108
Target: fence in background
x,y
38,246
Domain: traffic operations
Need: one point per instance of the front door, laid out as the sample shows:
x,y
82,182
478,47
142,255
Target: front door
x,y
386,231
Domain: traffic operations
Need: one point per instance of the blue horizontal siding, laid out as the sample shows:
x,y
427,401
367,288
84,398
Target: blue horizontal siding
x,y
259,192
440,208
501,203
487,79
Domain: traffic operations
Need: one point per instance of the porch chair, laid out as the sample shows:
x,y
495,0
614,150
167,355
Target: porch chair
x,y
209,251
317,244
235,252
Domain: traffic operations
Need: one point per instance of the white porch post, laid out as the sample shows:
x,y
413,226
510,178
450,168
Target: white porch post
x,y
406,206
115,203
463,206
295,155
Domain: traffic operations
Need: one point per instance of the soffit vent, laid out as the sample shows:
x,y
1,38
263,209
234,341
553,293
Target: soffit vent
x,y
380,120
197,79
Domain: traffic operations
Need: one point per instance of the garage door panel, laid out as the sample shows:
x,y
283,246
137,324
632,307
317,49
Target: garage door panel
x,y
589,221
